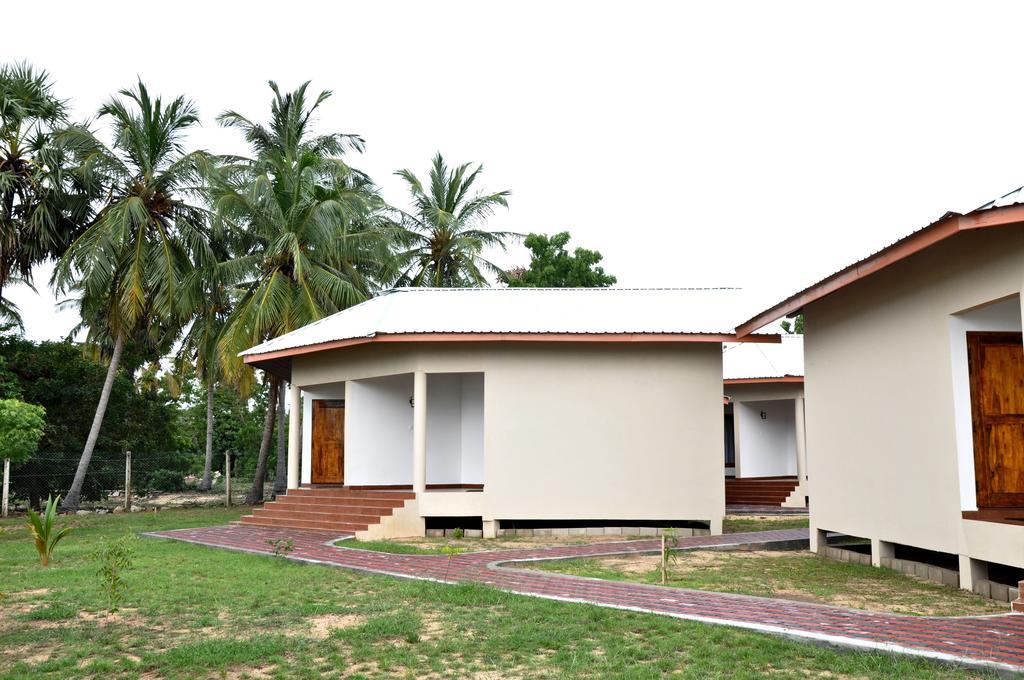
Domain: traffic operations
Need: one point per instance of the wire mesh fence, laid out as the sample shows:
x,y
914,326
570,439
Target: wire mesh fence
x,y
155,480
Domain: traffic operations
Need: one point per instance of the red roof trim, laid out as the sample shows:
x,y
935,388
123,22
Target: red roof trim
x,y
761,381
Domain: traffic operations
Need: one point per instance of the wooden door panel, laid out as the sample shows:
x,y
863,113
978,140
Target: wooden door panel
x,y
328,445
1006,469
1003,391
996,363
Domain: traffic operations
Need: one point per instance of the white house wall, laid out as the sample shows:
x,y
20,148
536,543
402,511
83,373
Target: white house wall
x,y
472,428
575,430
444,428
378,431
766,447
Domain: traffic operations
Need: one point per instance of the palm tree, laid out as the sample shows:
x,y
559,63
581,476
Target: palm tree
x,y
445,231
42,203
129,264
309,235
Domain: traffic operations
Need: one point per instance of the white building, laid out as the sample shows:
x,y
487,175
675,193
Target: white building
x,y
561,407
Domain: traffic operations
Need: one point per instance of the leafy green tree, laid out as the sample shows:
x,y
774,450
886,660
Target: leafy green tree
x,y
551,266
129,263
58,377
42,203
306,229
445,233
21,428
796,326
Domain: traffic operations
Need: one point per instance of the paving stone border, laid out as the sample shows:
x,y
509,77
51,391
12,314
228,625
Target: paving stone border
x,y
681,532
992,642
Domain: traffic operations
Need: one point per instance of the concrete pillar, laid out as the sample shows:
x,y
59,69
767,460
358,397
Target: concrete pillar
x,y
881,549
419,432
294,434
801,441
972,571
819,539
490,528
715,526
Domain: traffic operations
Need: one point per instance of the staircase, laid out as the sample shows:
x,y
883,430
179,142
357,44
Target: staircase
x,y
770,491
337,509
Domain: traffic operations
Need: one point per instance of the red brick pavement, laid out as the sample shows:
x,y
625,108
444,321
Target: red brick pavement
x,y
993,641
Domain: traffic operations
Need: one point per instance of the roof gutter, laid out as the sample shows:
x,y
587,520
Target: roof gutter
x,y
949,225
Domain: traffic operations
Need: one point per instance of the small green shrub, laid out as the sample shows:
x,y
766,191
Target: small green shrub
x,y
166,480
451,551
114,558
54,611
459,533
282,547
43,530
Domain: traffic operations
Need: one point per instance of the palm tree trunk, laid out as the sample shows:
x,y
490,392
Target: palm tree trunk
x,y
207,480
74,493
255,494
281,473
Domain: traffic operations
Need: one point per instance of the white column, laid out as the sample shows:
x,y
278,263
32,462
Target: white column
x,y
419,432
294,434
801,441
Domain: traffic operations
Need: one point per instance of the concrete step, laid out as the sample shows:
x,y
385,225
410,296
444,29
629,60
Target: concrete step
x,y
345,527
353,493
340,501
316,515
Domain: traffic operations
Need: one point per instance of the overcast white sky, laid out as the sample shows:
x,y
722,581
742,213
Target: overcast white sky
x,y
754,144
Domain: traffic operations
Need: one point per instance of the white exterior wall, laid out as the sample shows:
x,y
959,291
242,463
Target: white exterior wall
x,y
378,431
571,430
765,447
472,428
455,428
881,409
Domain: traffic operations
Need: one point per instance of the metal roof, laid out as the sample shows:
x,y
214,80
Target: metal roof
x,y
745,360
525,310
1015,197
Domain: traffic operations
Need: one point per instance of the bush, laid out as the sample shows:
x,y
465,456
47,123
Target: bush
x,y
165,480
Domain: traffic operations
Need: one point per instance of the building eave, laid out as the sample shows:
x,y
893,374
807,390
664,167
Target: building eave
x,y
946,227
279,362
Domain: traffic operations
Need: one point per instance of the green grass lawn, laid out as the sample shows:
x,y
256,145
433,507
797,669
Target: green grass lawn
x,y
797,575
192,612
736,525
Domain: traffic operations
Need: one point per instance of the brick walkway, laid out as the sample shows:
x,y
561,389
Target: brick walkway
x,y
993,641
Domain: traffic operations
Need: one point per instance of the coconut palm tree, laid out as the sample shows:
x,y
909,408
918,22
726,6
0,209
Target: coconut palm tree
x,y
445,231
129,264
310,239
43,205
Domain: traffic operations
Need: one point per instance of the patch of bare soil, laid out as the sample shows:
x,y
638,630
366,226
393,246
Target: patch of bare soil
x,y
320,627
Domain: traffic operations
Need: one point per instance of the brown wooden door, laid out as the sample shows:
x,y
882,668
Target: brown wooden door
x,y
328,445
997,405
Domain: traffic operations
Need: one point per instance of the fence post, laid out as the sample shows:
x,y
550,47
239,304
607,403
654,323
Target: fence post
x,y
7,486
127,480
227,479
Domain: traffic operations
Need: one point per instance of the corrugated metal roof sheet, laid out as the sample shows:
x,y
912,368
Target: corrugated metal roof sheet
x,y
1015,197
748,360
525,310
